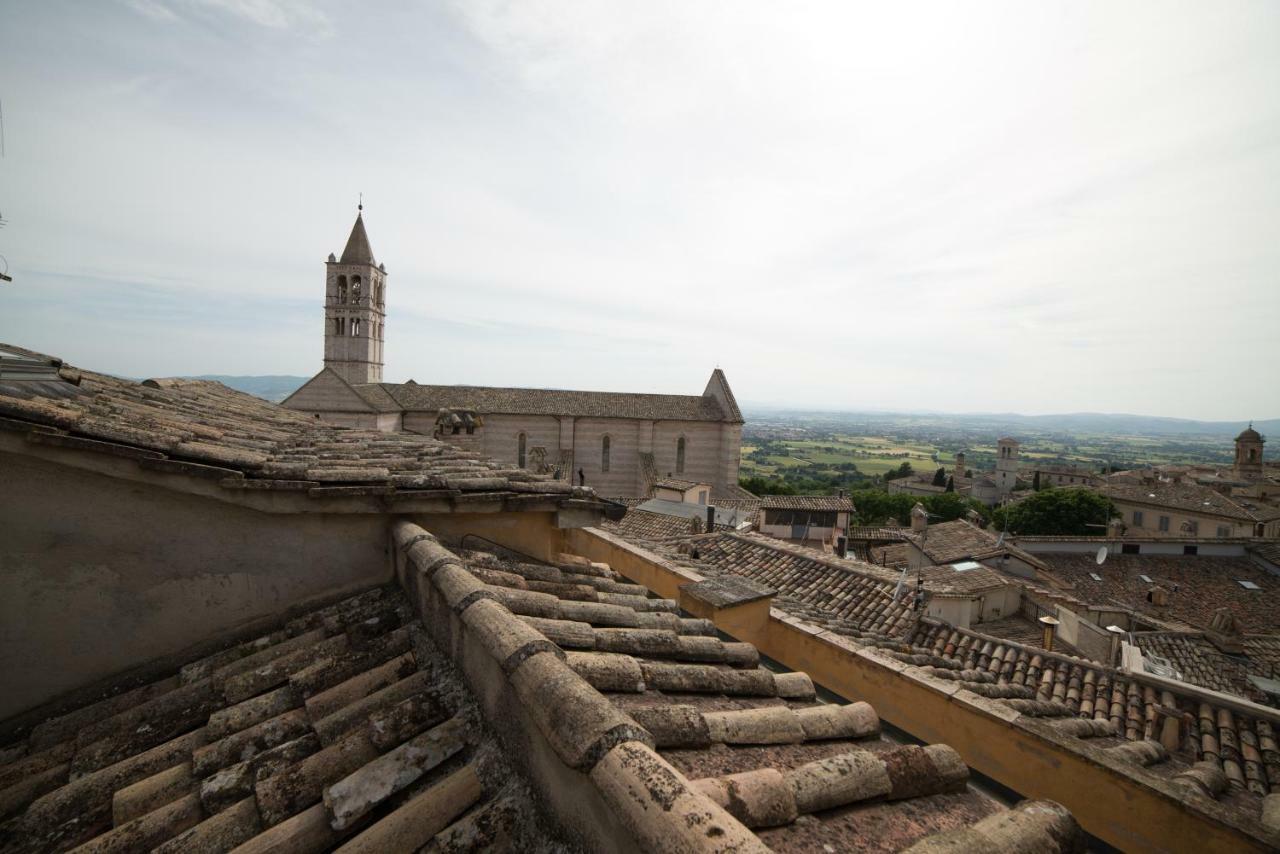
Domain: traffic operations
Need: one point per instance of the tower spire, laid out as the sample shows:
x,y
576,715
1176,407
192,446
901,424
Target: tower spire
x,y
360,204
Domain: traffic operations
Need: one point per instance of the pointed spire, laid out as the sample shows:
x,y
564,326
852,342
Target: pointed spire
x,y
358,251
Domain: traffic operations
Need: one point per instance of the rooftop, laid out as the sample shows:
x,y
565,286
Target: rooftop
x,y
820,503
739,731
1197,585
289,735
360,726
646,525
547,401
1188,497
1163,730
203,430
677,483
1200,662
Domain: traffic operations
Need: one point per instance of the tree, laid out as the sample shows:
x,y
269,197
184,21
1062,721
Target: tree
x,y
904,470
766,486
1035,483
874,506
940,477
951,484
1057,512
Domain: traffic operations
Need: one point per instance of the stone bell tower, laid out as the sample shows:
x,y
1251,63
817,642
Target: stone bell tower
x,y
1006,465
1248,463
355,309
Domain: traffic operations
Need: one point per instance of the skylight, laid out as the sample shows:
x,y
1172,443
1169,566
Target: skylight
x,y
965,566
1248,585
1146,578
1095,576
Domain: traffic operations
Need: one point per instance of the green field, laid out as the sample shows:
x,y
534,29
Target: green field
x,y
826,452
873,455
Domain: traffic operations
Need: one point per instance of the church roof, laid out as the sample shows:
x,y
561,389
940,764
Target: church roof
x,y
358,250
547,401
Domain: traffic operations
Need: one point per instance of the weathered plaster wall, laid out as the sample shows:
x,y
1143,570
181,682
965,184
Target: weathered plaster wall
x,y
533,534
99,575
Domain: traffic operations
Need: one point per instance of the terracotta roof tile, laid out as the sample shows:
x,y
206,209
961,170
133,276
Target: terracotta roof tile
x,y
203,428
546,401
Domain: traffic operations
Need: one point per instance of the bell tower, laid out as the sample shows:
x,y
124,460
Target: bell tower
x,y
355,309
1248,463
1006,465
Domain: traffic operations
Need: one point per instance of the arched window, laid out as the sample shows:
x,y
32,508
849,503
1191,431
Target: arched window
x,y
604,454
342,290
520,443
355,327
680,455
355,289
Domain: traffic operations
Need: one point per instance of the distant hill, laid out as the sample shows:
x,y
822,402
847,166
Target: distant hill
x,y
272,388
1075,422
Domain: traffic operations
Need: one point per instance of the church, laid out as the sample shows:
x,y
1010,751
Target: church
x,y
617,442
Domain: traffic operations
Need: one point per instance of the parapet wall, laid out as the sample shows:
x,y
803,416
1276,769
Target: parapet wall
x,y
594,766
99,575
1114,799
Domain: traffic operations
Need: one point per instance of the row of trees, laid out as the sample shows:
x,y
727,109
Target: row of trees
x,y
875,506
1057,512
1050,512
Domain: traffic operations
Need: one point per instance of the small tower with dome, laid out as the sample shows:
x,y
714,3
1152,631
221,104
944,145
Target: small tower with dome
x,y
1248,464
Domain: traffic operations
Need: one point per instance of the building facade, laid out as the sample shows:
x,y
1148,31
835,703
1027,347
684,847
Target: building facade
x,y
618,443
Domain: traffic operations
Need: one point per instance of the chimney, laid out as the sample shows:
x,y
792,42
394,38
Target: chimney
x,y
1116,634
711,519
919,519
1048,623
1158,596
842,546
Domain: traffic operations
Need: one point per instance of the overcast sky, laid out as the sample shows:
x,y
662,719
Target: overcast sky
x,y
1030,206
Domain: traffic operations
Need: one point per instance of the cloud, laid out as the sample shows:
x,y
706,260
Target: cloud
x,y
296,15
1008,206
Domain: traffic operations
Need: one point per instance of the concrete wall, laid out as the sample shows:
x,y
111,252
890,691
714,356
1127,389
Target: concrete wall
x,y
99,575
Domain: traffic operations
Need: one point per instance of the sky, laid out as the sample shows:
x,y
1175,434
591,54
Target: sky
x,y
1031,207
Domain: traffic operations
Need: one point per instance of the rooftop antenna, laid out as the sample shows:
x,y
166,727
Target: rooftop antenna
x,y
360,203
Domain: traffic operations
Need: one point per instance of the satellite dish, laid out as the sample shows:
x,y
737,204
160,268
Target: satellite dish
x,y
1101,557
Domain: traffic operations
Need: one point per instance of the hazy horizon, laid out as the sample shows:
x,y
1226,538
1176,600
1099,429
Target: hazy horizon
x,y
928,207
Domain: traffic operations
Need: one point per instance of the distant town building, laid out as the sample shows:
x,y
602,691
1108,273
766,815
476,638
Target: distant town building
x,y
1161,508
1248,463
1006,466
804,518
